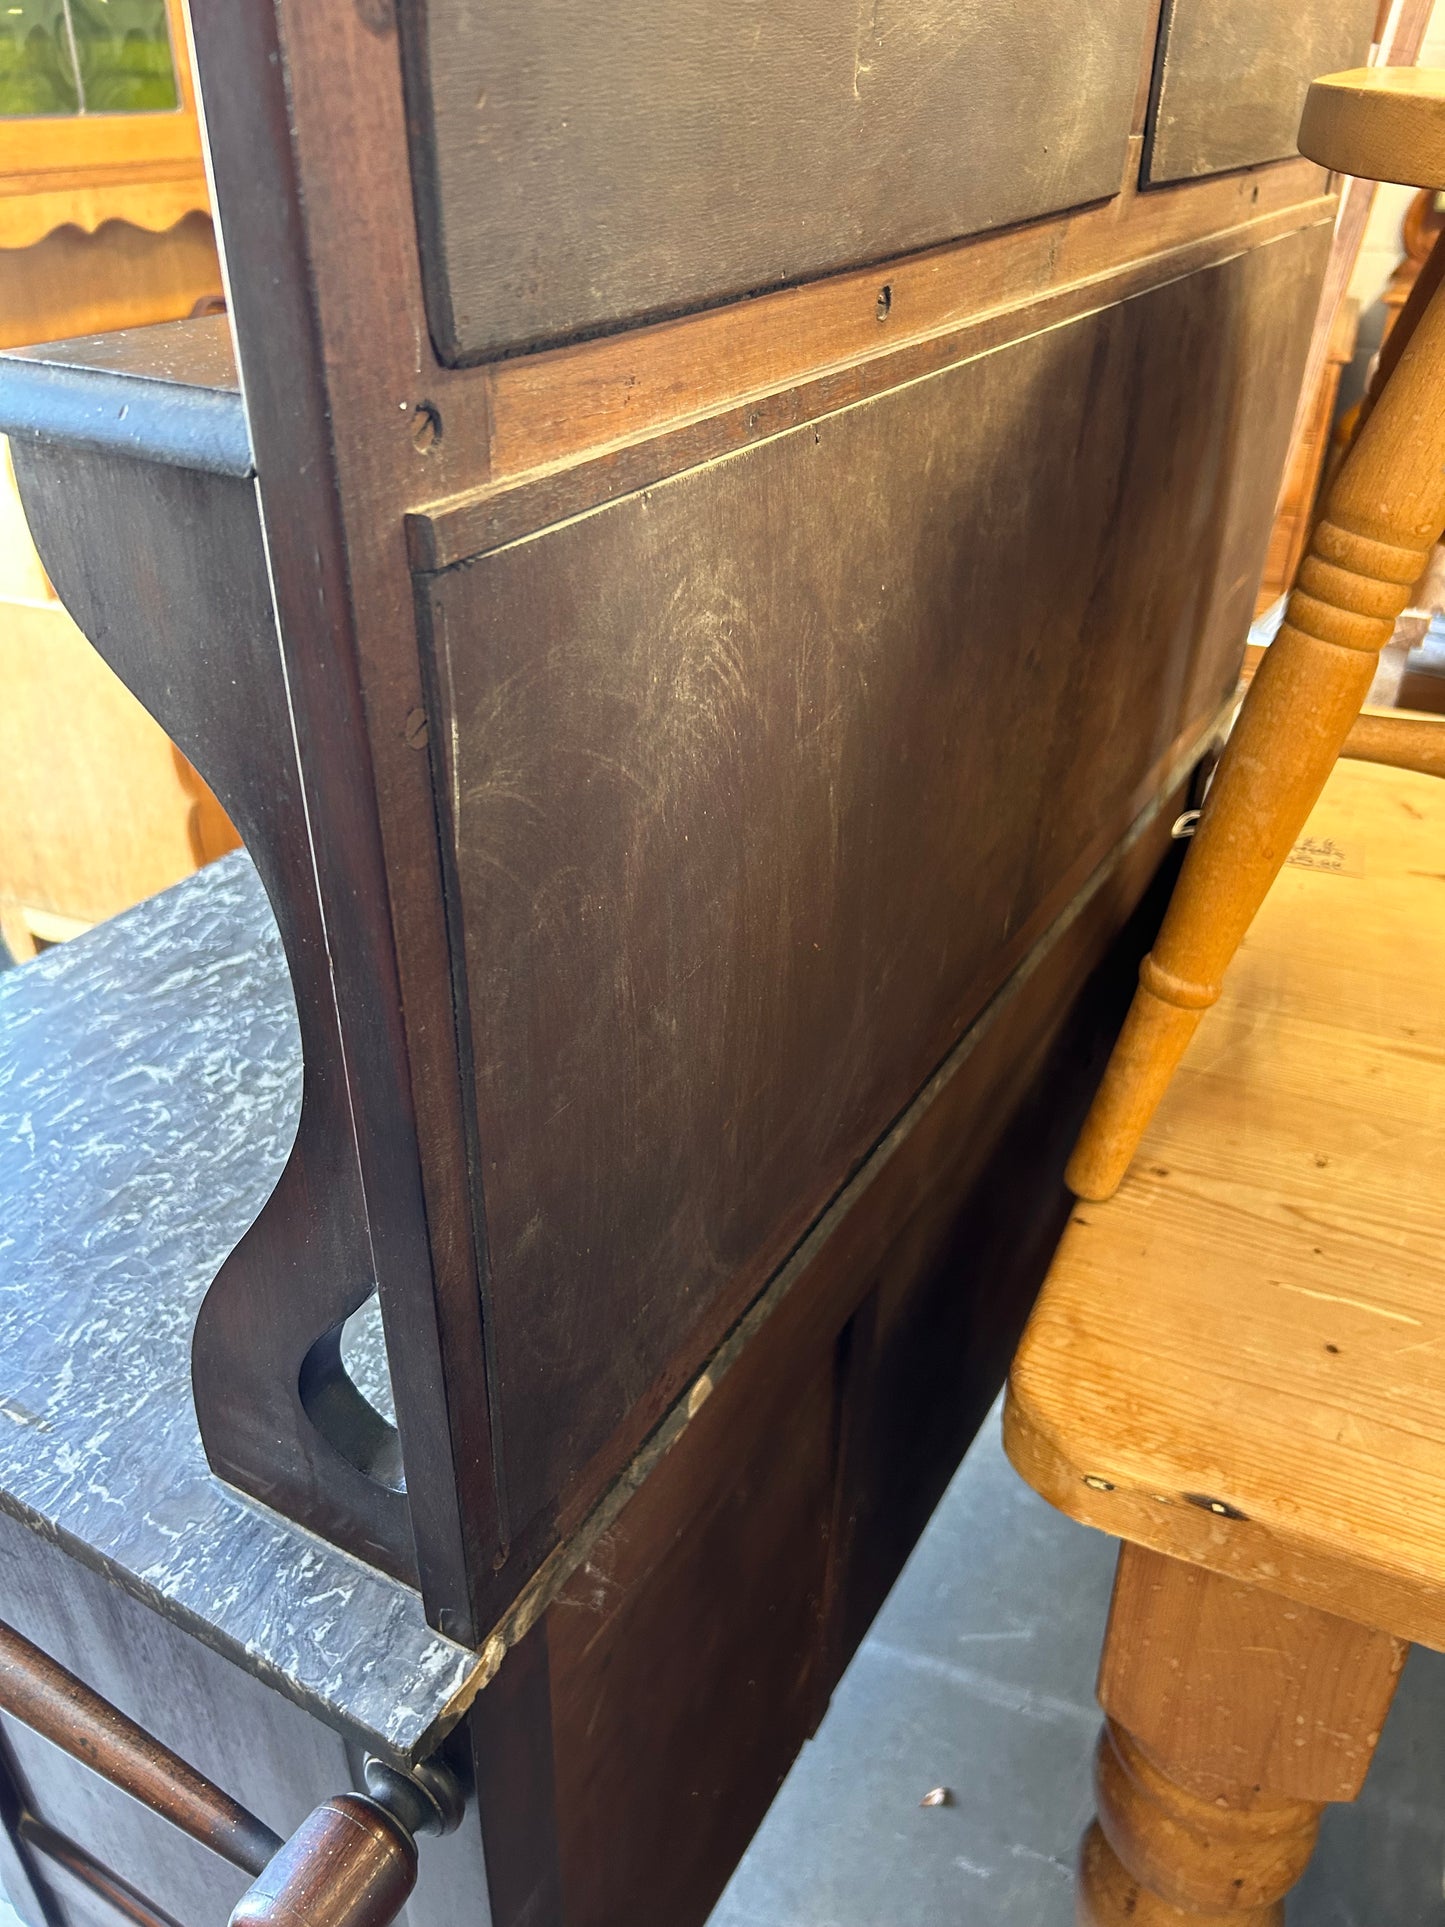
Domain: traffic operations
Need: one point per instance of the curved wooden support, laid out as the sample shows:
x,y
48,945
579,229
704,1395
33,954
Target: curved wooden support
x,y
353,1861
1233,1718
165,572
1398,738
1384,514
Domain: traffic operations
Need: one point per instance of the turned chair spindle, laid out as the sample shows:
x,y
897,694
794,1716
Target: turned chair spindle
x,y
1382,517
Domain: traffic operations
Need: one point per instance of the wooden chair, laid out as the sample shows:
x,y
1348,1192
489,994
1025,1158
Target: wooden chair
x,y
1382,517
1235,1363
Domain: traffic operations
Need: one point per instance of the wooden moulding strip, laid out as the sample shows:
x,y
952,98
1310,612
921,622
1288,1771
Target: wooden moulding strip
x,y
547,407
463,527
558,1568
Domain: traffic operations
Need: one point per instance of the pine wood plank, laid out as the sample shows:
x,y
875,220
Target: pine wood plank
x,y
1240,1360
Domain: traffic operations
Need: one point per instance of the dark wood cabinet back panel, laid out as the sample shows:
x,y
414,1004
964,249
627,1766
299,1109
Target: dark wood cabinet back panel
x,y
771,1532
1231,76
579,167
728,1539
760,780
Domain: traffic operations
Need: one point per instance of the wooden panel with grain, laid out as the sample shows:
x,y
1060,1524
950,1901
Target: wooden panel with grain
x,y
579,168
965,1259
306,120
789,1503
729,1538
747,821
1231,76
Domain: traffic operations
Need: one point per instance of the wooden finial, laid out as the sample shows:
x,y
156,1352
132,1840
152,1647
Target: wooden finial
x,y
349,1864
353,1862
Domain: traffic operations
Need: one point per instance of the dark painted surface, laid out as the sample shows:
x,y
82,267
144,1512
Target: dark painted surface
x,y
166,393
581,167
1231,78
760,780
274,1757
318,470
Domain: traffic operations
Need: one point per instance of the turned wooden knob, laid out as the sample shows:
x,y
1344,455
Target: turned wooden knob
x,y
1382,123
349,1864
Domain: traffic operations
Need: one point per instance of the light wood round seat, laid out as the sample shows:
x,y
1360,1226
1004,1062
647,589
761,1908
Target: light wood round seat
x,y
1382,123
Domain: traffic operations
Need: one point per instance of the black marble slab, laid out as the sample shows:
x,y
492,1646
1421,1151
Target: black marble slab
x,y
166,393
150,1080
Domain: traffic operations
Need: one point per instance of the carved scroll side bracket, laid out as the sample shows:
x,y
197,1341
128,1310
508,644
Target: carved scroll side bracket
x,y
163,568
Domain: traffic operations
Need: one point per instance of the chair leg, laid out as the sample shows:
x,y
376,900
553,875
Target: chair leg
x,y
1233,1717
1385,511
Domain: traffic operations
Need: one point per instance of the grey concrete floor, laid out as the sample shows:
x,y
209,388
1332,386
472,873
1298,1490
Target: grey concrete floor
x,y
978,1676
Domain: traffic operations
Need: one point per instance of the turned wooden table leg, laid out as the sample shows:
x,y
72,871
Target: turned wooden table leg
x,y
1233,1718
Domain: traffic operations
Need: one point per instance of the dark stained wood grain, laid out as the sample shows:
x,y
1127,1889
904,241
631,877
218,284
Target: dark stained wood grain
x,y
307,121
948,301
758,781
701,736
582,167
729,1539
964,1263
459,527
703,1637
1231,76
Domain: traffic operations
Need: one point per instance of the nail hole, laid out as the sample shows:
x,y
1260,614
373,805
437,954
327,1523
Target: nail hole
x,y
1221,1508
885,300
427,429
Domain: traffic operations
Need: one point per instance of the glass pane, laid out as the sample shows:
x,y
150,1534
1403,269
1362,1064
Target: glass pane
x,y
125,55
36,74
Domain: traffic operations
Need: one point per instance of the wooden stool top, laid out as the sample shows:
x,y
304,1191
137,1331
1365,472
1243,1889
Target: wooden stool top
x,y
1384,123
1240,1359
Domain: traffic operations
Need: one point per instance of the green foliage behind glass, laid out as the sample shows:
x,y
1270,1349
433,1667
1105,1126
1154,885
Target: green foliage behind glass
x,y
125,56
37,75
123,48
